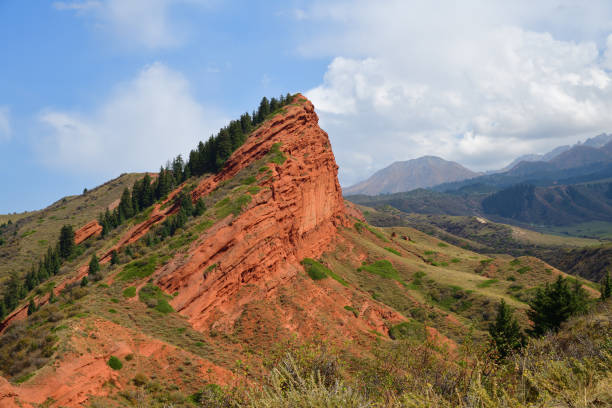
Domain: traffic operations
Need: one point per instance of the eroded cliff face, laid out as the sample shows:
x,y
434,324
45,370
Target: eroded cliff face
x,y
295,215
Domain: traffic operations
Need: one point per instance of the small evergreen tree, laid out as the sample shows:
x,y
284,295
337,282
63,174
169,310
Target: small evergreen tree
x,y
84,281
126,209
66,241
114,258
184,200
554,304
605,286
506,335
31,307
200,207
94,265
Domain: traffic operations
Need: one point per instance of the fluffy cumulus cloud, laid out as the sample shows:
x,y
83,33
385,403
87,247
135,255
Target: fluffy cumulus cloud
x,y
143,123
145,23
477,82
5,123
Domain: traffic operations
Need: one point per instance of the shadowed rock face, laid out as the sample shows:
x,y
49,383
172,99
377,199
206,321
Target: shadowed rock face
x,y
408,175
295,215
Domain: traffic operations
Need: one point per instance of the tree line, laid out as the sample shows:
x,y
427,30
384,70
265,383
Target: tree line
x,y
209,156
18,288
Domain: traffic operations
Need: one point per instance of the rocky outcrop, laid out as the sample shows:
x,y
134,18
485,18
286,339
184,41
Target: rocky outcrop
x,y
91,229
294,216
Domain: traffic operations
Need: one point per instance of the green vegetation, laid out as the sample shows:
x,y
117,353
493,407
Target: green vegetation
x,y
94,266
138,269
382,268
315,270
129,292
276,155
524,269
411,329
605,287
153,297
353,310
249,180
66,241
115,363
393,251
506,335
228,206
359,226
487,283
574,365
555,303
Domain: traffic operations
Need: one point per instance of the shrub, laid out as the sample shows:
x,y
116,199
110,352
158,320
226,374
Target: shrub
x,y
382,268
315,270
486,283
129,292
138,269
393,251
115,363
412,330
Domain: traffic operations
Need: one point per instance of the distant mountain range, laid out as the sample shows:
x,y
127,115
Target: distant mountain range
x,y
432,171
595,142
574,185
427,171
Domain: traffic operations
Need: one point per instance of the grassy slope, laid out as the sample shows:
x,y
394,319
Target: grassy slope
x,y
438,283
34,231
434,283
485,236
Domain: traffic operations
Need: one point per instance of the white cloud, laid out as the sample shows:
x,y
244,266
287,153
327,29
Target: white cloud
x,y
145,23
479,82
142,124
5,123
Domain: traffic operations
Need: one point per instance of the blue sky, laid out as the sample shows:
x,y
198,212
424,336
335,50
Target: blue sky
x,y
93,88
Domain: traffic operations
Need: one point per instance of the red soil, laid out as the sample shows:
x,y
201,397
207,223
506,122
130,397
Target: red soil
x,y
83,371
92,228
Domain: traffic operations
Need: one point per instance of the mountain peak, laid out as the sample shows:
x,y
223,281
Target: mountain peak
x,y
400,176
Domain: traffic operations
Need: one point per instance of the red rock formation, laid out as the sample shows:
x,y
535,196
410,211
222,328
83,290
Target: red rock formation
x,y
92,228
293,217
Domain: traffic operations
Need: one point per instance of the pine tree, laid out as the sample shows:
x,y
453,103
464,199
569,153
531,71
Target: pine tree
x,y
554,304
84,281
200,207
506,335
177,169
184,200
66,241
31,307
126,209
246,123
223,148
94,266
274,104
605,287
147,192
114,258
264,110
